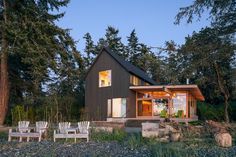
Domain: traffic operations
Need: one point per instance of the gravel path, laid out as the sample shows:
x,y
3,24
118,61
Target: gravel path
x,y
83,149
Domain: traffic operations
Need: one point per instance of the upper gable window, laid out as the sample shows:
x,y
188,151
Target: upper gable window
x,y
105,78
134,80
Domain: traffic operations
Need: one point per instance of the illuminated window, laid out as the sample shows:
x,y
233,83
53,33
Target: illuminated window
x,y
179,103
146,84
105,78
134,80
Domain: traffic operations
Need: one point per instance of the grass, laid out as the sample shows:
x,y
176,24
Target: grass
x,y
117,135
189,147
3,135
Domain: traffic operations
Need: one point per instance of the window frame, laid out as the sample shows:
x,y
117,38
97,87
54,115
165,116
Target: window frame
x,y
99,78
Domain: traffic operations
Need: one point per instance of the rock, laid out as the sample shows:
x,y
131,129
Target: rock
x,y
170,128
163,132
163,139
150,130
105,129
223,139
150,126
217,127
175,136
150,134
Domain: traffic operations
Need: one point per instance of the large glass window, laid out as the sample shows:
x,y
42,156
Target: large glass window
x,y
160,107
105,78
116,107
179,104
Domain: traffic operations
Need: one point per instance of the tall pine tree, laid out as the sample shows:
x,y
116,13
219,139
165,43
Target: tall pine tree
x,y
30,37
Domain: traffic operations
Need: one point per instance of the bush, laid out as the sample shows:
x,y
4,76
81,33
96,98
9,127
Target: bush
x,y
3,135
136,140
215,112
117,135
210,112
163,114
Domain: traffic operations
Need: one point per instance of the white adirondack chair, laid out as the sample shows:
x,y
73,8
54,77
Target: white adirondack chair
x,y
65,131
41,125
23,126
83,128
21,130
62,130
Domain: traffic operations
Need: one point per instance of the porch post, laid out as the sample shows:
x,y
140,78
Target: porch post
x,y
136,103
187,97
169,107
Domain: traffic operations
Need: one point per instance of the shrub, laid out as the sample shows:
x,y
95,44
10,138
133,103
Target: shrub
x,y
215,112
135,140
117,135
210,112
163,114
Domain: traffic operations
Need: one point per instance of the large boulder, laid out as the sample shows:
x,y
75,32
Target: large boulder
x,y
175,136
150,130
223,139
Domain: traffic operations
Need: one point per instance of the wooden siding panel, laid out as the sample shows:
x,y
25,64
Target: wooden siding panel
x,y
95,97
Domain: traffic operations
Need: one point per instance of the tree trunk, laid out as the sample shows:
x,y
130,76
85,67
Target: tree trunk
x,y
224,90
4,84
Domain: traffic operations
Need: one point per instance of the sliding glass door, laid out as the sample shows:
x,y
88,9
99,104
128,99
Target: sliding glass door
x,y
116,107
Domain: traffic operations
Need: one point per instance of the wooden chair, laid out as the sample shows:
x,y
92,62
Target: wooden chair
x,y
65,131
21,131
40,129
43,126
23,126
83,129
62,130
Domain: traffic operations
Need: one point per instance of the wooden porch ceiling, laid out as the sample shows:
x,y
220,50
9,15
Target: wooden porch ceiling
x,y
193,89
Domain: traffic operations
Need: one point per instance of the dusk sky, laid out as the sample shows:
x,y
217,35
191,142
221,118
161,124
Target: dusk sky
x,y
153,20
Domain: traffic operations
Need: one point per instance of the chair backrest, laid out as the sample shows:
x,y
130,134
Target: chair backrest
x,y
23,126
83,127
41,125
63,126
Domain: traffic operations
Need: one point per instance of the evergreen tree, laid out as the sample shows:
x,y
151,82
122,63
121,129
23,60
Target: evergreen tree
x,y
113,41
133,47
89,50
31,39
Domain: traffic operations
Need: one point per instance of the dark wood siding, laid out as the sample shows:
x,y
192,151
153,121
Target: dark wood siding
x,y
96,98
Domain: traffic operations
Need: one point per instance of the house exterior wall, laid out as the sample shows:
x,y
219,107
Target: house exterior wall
x,y
96,97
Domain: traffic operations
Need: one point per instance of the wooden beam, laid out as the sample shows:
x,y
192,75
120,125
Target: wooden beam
x,y
136,103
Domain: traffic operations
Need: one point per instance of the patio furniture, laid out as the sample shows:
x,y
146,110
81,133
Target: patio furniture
x,y
43,126
21,131
24,131
65,131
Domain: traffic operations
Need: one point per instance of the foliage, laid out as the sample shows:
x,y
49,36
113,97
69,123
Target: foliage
x,y
3,135
221,13
215,112
163,114
41,55
135,140
117,135
180,113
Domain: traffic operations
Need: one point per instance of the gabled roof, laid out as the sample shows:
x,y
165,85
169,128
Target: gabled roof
x,y
126,65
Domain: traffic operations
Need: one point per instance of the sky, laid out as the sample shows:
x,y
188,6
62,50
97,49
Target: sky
x,y
153,20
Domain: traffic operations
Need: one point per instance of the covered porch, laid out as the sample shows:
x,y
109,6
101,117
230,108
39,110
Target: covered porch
x,y
177,102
